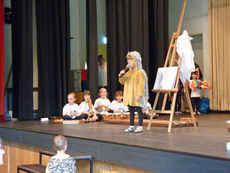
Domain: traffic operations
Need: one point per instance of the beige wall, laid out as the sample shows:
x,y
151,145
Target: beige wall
x,y
196,23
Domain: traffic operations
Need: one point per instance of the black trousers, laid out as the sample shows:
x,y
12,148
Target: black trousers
x,y
178,103
195,103
132,110
83,116
100,117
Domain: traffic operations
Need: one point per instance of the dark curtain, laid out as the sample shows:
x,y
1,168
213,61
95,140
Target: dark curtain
x,y
92,48
22,62
127,30
53,41
158,39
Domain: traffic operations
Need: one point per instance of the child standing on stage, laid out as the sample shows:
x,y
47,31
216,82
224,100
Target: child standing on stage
x,y
117,104
102,104
87,107
61,162
135,89
71,110
195,94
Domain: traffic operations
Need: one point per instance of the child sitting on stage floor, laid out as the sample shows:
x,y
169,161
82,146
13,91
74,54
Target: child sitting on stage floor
x,y
87,107
61,162
71,110
2,152
135,89
147,111
117,104
102,104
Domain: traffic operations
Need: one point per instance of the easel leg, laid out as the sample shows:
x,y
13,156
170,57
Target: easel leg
x,y
189,103
172,112
153,113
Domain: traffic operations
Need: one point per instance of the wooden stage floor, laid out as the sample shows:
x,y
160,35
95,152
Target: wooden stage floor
x,y
207,141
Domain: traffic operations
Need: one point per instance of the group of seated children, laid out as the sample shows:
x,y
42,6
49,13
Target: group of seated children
x,y
71,111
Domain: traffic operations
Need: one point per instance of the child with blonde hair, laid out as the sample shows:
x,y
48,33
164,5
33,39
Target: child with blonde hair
x,y
135,89
102,104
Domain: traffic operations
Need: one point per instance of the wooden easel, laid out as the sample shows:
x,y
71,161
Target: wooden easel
x,y
175,59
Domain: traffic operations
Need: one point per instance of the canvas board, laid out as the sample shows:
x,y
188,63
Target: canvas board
x,y
166,78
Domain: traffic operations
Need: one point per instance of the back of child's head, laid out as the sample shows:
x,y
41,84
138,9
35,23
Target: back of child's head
x,y
118,93
59,143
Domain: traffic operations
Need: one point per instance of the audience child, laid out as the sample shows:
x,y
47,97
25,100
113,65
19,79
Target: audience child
x,y
117,104
2,152
102,104
87,107
61,162
71,110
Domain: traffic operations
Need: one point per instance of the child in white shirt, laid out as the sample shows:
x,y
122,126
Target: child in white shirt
x,y
71,110
117,104
87,107
102,104
195,94
147,111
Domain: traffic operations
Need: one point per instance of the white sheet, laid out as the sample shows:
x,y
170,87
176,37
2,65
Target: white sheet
x,y
184,49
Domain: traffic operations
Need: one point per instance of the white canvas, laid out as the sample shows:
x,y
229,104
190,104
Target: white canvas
x,y
166,78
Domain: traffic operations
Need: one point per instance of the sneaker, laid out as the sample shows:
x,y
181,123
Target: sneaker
x,y
139,129
129,130
178,112
198,113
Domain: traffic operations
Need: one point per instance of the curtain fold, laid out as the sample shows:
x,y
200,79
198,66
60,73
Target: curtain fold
x,y
2,63
158,40
53,41
127,30
22,62
219,52
136,25
92,48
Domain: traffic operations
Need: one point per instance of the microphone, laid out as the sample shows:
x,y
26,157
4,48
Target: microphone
x,y
126,70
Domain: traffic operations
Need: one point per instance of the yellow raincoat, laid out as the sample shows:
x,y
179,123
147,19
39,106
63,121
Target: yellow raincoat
x,y
134,85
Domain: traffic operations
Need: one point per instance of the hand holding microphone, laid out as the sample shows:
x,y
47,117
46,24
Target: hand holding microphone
x,y
122,73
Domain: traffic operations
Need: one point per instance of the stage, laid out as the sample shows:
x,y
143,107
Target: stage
x,y
185,149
